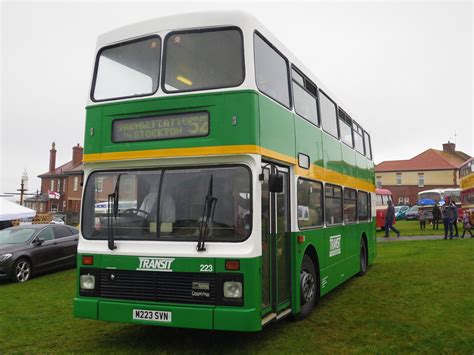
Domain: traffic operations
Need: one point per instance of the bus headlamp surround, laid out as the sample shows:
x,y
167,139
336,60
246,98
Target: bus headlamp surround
x,y
232,289
87,282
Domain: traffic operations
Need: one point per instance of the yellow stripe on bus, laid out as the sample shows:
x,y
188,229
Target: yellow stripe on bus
x,y
315,172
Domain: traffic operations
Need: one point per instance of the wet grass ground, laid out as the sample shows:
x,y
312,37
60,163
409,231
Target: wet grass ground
x,y
417,297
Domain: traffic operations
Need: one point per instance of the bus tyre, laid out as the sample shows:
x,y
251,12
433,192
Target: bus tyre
x,y
309,288
363,257
21,270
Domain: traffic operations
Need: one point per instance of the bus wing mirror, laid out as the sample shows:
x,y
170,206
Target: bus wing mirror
x,y
275,183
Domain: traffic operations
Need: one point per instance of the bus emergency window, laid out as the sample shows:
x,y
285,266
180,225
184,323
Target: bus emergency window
x,y
368,147
350,203
127,69
328,114
333,204
310,204
304,94
200,60
363,205
271,72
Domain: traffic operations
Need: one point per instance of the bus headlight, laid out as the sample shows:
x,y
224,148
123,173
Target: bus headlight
x,y
232,289
87,282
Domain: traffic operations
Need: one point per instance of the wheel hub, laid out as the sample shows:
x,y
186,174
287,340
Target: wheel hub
x,y
307,286
22,271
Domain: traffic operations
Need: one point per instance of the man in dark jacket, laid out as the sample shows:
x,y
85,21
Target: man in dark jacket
x,y
455,218
448,218
436,216
389,219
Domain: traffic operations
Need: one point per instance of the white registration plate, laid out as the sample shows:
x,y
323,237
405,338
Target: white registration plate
x,y
156,316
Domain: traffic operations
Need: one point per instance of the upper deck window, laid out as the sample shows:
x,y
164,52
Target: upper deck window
x,y
203,59
271,71
128,69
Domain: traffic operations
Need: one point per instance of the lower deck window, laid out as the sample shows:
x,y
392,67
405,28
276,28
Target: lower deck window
x,y
333,204
310,203
350,203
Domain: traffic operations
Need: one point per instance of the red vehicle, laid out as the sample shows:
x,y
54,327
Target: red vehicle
x,y
382,196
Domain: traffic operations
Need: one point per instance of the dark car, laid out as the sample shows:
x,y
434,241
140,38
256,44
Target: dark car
x,y
36,248
412,213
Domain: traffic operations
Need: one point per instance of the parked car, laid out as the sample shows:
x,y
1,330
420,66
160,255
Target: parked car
x,y
57,220
412,213
400,211
36,248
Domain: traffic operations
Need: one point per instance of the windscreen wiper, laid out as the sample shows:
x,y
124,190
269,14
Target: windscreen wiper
x,y
207,216
112,206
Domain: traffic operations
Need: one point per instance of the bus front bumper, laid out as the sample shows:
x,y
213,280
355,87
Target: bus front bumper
x,y
178,316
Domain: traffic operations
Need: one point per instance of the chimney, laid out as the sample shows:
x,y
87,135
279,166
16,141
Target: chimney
x,y
76,154
52,158
449,147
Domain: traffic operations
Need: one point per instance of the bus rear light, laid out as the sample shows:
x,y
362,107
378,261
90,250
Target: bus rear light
x,y
232,265
87,260
301,239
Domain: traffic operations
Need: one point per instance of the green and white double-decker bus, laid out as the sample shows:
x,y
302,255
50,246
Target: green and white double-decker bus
x,y
225,187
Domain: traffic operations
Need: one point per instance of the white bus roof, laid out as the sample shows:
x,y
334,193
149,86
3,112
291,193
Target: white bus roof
x,y
248,23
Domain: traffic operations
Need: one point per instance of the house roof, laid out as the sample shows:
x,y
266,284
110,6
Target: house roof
x,y
40,198
67,168
431,159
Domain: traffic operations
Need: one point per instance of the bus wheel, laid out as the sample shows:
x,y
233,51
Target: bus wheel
x,y
363,258
309,287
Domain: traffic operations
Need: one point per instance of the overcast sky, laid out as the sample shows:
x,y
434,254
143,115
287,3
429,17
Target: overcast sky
x,y
403,69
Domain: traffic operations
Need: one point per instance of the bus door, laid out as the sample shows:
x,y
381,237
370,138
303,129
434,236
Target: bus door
x,y
275,246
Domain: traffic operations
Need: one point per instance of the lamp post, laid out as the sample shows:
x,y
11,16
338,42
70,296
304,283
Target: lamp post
x,y
23,186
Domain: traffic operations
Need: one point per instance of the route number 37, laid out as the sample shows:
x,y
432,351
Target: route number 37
x,y
205,267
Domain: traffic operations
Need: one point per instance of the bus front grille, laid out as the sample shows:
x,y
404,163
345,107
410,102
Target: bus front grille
x,y
176,287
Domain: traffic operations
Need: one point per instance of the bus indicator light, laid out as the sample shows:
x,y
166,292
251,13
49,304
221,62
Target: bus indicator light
x,y
87,260
301,239
232,265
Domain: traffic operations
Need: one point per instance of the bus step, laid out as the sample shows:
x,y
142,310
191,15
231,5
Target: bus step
x,y
284,313
268,318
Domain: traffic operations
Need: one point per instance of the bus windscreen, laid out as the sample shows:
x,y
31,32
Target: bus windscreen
x,y
128,69
202,60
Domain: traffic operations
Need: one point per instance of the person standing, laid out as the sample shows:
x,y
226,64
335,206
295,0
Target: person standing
x,y
466,222
448,216
389,218
455,218
436,216
422,218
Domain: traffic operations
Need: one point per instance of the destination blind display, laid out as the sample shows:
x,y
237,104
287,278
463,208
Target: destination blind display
x,y
195,124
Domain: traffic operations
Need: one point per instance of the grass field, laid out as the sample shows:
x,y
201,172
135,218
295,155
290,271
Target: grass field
x,y
417,297
411,228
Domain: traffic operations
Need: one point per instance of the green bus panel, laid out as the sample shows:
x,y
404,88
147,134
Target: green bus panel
x,y
219,317
245,118
232,121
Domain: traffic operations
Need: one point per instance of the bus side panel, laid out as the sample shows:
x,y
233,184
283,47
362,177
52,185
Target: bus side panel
x,y
276,128
349,166
332,157
309,142
313,239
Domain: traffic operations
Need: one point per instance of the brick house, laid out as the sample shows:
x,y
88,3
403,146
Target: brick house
x,y
61,187
430,169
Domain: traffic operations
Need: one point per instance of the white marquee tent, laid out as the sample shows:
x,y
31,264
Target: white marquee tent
x,y
10,210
